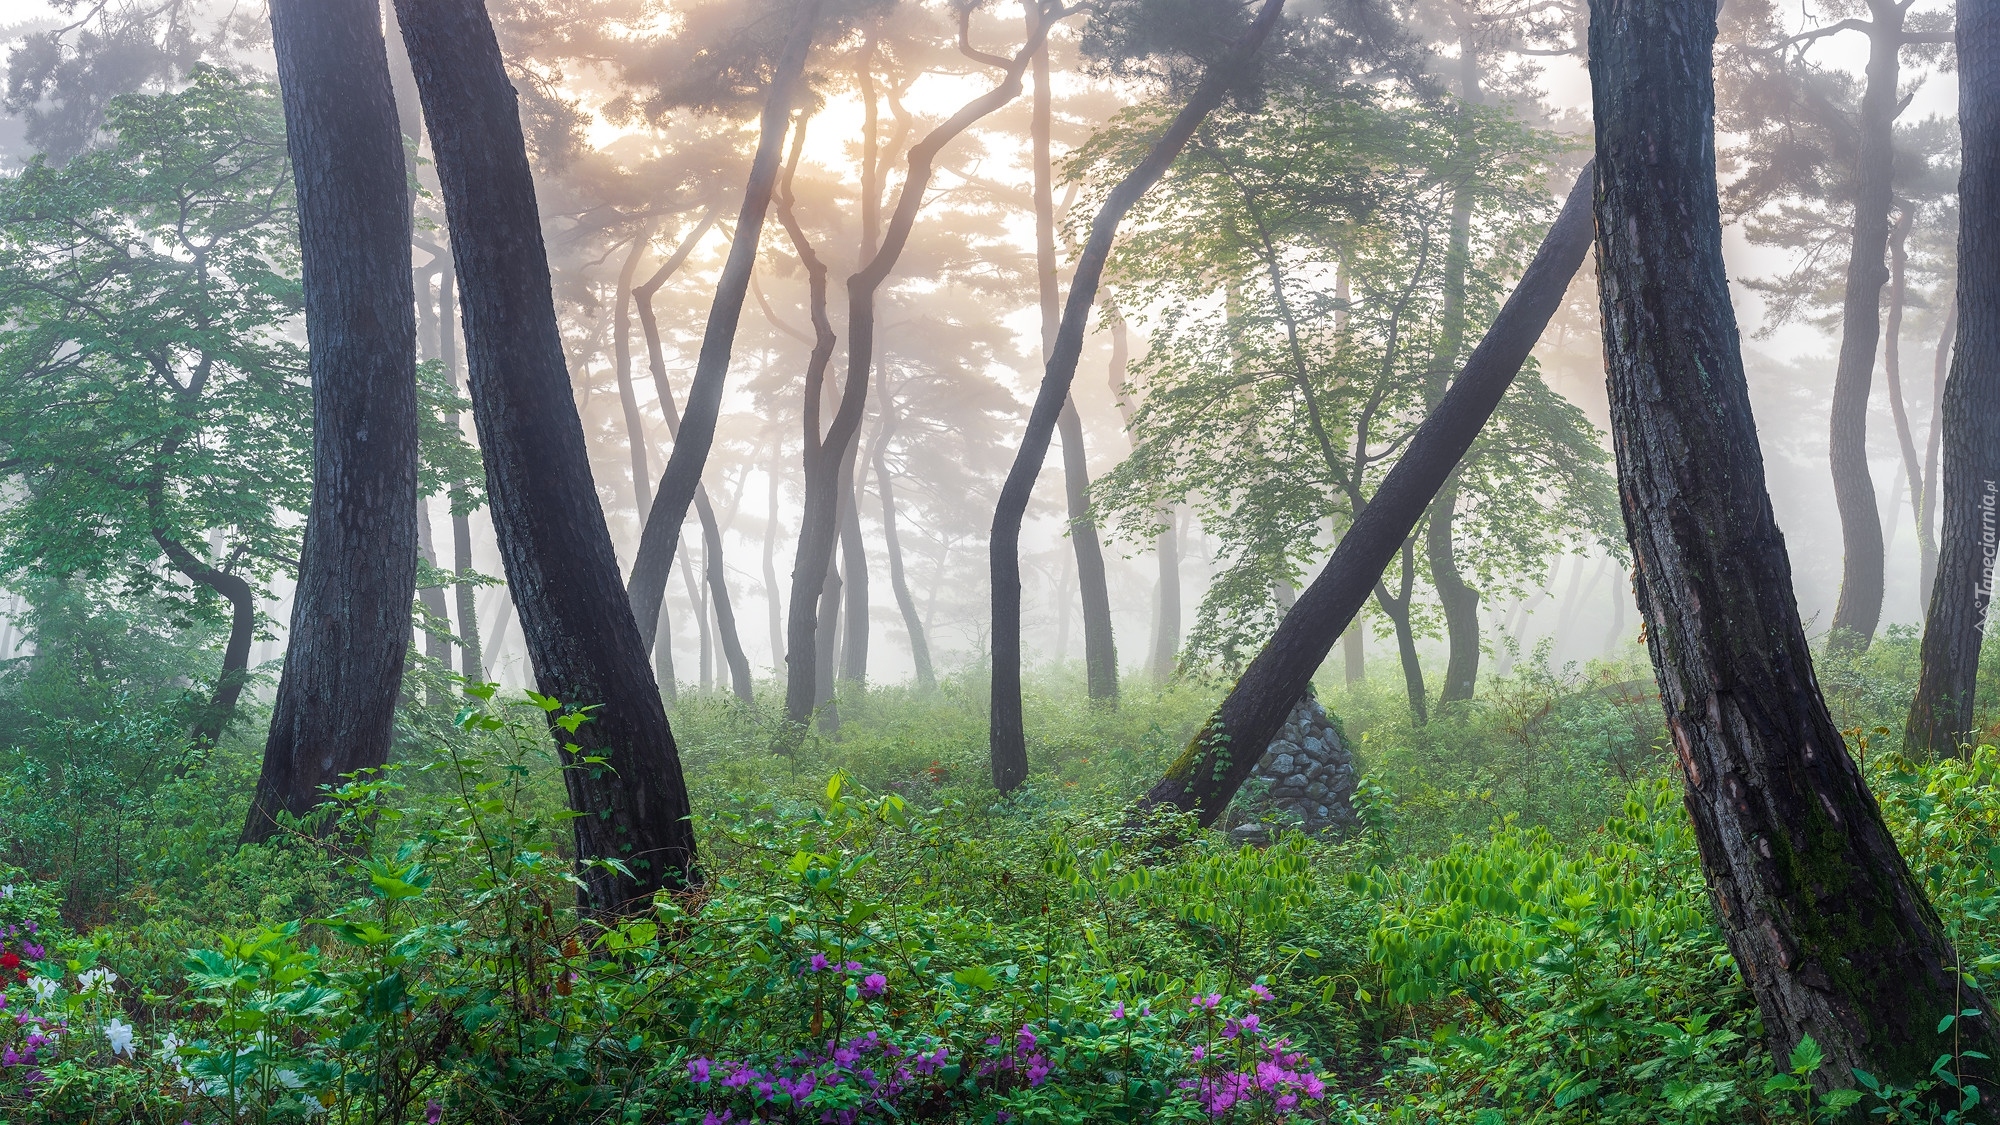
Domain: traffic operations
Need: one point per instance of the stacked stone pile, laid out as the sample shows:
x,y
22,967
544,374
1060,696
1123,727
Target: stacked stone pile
x,y
1305,780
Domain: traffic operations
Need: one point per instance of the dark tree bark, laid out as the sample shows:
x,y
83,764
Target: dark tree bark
x,y
1941,714
1396,607
215,715
682,478
473,660
577,622
1828,926
1100,649
825,456
1207,774
853,576
740,681
350,631
1933,445
1859,609
1007,737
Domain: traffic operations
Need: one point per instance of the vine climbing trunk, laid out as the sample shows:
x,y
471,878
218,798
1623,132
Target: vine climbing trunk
x,y
1827,924
624,777
1208,773
1941,714
336,702
1007,738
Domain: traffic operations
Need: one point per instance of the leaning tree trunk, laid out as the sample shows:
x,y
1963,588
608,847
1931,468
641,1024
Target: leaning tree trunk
x,y
622,770
1826,922
1207,774
1007,736
1941,715
1859,609
1892,363
215,715
621,361
820,522
682,477
1100,650
913,625
336,705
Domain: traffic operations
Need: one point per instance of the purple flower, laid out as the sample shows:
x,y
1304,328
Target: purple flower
x,y
852,966
875,984
698,1069
710,1118
433,1112
1207,1002
1038,1069
1025,1038
1314,1086
1118,1010
1259,994
819,963
1200,1053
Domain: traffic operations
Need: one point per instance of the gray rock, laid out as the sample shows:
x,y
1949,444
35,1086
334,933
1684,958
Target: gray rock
x,y
1282,764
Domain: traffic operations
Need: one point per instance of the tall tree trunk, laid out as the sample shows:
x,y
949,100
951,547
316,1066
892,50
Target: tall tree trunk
x,y
1933,443
773,599
1354,658
1164,650
1397,608
1456,597
853,576
437,642
1100,650
682,478
336,702
1892,368
827,640
824,456
913,626
586,648
628,398
1859,609
1007,737
740,681
1941,714
1207,774
473,661
1826,922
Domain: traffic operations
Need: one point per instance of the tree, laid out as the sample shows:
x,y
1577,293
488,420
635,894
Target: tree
x,y
1826,922
825,456
150,420
682,477
623,774
1209,771
1274,411
1223,74
1941,713
336,706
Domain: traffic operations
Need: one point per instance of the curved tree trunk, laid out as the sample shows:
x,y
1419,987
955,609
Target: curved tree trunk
x,y
1207,774
216,715
575,617
628,398
1892,361
1007,738
1941,715
1859,609
336,703
474,661
682,478
1396,607
1831,931
820,525
913,626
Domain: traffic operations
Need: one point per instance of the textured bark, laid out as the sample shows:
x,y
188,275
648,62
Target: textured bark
x,y
1208,773
1933,445
1859,609
1007,739
1100,650
1828,926
824,456
1941,715
575,617
350,630
682,478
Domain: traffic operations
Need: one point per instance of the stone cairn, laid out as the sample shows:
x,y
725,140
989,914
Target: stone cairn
x,y
1305,780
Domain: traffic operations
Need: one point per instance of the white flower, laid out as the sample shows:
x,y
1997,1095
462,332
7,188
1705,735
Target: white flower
x,y
170,1049
313,1106
44,988
290,1079
96,980
7,891
120,1034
